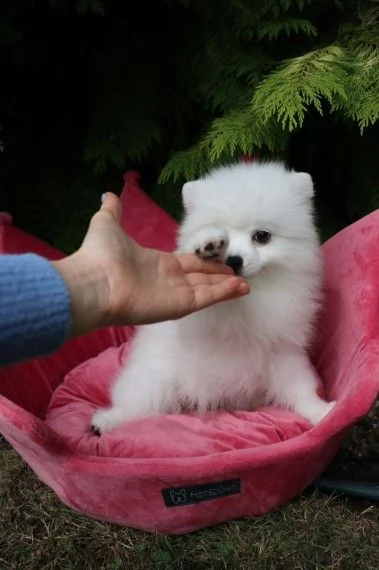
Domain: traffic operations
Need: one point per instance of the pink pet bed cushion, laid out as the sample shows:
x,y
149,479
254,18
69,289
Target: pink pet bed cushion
x,y
187,435
179,473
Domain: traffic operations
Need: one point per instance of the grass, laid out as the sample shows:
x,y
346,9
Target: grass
x,y
313,531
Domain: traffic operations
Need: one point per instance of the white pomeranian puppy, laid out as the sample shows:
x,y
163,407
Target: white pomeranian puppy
x,y
247,352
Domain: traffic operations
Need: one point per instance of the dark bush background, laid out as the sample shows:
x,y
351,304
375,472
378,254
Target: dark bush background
x,y
90,89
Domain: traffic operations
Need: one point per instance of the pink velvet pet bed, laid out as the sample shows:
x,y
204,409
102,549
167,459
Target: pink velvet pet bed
x,y
179,473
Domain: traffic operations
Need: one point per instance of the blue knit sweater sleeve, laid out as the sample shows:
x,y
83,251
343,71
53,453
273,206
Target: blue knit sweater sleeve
x,y
34,308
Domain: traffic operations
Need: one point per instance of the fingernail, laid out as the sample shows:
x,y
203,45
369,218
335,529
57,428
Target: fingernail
x,y
103,196
245,288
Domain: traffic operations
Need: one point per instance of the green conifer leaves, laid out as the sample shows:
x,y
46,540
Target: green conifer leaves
x,y
334,71
272,28
302,81
231,136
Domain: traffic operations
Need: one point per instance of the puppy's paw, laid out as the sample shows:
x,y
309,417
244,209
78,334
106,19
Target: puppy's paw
x,y
209,243
319,412
106,419
329,406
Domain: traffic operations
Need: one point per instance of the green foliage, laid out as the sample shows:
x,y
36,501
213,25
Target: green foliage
x,y
362,102
234,134
96,6
338,75
82,6
175,87
272,28
286,94
7,33
121,131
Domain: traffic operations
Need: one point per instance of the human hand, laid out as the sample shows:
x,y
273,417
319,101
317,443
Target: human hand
x,y
113,280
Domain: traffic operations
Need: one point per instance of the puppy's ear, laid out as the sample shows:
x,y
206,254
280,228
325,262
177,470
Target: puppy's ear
x,y
190,192
303,182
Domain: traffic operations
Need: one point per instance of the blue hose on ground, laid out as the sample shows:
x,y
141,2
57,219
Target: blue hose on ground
x,y
355,489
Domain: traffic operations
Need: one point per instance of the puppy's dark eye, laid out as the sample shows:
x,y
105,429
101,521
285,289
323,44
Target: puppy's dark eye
x,y
262,236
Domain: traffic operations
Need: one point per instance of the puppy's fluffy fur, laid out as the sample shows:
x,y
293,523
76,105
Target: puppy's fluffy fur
x,y
247,352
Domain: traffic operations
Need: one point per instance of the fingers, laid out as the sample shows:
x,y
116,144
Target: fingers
x,y
221,290
193,264
195,279
112,204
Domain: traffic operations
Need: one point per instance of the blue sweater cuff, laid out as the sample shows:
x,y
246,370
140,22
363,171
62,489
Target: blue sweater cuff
x,y
35,314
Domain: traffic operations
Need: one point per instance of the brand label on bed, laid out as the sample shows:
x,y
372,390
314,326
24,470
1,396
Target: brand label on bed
x,y
179,496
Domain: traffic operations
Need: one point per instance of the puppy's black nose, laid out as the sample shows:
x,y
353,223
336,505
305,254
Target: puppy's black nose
x,y
235,262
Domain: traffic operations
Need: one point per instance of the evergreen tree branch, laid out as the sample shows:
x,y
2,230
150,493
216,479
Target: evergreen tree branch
x,y
228,138
303,81
271,29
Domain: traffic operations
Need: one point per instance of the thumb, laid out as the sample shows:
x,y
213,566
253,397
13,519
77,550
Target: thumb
x,y
111,204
